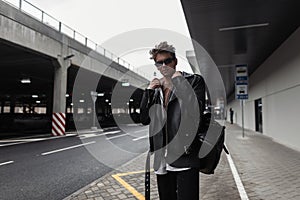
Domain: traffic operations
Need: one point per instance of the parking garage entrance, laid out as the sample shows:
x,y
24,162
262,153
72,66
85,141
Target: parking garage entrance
x,y
26,95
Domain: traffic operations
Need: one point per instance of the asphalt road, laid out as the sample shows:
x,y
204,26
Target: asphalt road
x,y
54,168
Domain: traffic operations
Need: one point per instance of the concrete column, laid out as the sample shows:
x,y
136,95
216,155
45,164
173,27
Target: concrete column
x,y
24,108
59,96
2,106
49,105
59,90
60,86
12,104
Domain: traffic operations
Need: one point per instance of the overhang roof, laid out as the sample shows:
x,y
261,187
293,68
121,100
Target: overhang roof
x,y
272,23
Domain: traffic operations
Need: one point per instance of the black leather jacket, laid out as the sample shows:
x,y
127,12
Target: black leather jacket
x,y
175,127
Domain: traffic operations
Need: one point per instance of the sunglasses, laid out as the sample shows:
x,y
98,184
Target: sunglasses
x,y
166,62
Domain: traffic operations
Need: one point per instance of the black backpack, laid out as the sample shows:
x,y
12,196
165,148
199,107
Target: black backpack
x,y
212,138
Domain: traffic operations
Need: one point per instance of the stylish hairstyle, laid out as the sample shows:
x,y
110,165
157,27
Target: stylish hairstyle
x,y
162,47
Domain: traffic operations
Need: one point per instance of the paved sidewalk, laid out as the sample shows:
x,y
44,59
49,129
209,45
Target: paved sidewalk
x,y
268,170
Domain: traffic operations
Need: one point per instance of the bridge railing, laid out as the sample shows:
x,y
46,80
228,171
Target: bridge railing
x,y
35,12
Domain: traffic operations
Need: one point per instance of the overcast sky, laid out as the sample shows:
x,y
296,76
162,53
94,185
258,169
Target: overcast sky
x,y
101,20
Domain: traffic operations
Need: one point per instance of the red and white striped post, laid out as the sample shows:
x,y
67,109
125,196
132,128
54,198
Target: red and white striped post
x,y
58,124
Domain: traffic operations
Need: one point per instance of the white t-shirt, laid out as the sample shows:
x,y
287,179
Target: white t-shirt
x,y
165,167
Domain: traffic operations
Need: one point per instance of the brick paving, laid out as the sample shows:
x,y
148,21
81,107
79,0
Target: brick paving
x,y
268,170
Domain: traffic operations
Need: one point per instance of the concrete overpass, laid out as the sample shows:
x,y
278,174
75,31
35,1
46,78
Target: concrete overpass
x,y
32,49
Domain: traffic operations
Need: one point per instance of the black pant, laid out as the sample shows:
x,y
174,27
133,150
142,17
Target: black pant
x,y
182,185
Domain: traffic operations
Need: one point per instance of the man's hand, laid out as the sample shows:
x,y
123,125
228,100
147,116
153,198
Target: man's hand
x,y
155,83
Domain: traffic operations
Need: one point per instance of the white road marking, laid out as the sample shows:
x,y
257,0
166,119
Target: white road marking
x,y
6,163
237,179
139,138
141,130
10,144
116,136
26,140
22,141
113,127
90,135
67,148
111,132
28,137
132,125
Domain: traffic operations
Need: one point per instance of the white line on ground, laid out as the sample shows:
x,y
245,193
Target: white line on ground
x,y
132,125
116,136
237,179
111,132
10,144
67,148
22,141
28,137
90,135
141,130
113,127
139,138
6,163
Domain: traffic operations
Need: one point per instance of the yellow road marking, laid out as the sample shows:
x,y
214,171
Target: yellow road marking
x,y
138,195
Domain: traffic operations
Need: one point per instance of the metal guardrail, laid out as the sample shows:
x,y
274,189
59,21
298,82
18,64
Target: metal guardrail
x,y
35,12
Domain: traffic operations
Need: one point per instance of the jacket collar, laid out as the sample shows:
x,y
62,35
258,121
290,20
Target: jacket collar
x,y
186,75
172,94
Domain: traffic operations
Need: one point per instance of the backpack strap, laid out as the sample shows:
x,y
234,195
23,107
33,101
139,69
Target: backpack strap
x,y
225,149
147,177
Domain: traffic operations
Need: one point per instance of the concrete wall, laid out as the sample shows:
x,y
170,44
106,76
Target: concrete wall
x,y
277,82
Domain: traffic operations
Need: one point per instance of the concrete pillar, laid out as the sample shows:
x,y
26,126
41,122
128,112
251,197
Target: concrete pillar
x,y
59,90
2,106
60,86
12,104
49,105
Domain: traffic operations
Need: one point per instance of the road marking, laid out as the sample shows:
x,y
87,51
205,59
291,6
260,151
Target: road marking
x,y
109,128
67,148
22,141
90,135
139,138
131,189
27,140
141,130
6,163
133,125
117,136
111,132
237,179
4,145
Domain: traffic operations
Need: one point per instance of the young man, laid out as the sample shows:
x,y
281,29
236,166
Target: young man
x,y
173,106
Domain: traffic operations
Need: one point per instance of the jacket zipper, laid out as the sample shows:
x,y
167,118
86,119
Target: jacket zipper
x,y
172,91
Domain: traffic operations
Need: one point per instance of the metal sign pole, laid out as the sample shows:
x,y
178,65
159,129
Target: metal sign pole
x,y
241,87
243,117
